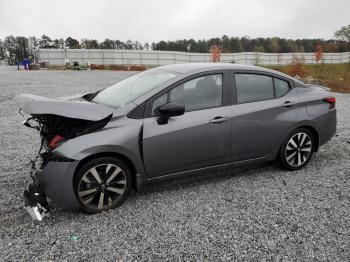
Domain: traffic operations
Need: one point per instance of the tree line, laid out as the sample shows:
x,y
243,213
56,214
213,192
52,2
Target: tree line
x,y
17,48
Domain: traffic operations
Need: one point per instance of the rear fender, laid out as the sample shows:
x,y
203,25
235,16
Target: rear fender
x,y
306,124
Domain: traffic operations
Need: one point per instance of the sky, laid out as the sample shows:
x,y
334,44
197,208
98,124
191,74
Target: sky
x,y
154,20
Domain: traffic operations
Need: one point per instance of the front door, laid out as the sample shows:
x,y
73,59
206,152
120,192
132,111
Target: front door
x,y
197,139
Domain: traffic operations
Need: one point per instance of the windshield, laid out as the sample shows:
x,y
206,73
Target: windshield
x,y
132,87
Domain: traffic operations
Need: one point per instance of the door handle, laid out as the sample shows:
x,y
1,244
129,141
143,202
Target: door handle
x,y
288,104
218,120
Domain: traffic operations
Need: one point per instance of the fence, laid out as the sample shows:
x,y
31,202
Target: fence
x,y
155,58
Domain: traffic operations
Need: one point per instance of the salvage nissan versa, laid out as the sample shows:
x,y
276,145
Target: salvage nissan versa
x,y
170,121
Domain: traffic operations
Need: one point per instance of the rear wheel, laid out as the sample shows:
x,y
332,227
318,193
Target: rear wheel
x,y
102,184
297,149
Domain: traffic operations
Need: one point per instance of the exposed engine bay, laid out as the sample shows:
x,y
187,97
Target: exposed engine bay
x,y
56,129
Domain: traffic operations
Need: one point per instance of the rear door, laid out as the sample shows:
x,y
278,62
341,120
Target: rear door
x,y
197,139
264,109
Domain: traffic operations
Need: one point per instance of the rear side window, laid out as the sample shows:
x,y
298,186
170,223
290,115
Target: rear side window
x,y
253,87
281,87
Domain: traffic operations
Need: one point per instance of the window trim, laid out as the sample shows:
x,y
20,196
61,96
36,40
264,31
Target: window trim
x,y
253,72
226,91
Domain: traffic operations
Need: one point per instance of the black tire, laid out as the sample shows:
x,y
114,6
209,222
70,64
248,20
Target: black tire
x,y
303,151
105,180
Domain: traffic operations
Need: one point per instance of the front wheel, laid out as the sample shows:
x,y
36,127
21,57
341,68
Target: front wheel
x,y
102,183
297,149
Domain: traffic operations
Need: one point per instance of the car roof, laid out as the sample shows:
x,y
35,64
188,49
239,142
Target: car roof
x,y
188,67
202,67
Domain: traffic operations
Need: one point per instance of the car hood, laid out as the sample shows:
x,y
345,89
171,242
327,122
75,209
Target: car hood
x,y
71,107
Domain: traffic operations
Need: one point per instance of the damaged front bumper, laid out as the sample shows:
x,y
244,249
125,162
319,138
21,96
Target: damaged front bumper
x,y
52,182
36,202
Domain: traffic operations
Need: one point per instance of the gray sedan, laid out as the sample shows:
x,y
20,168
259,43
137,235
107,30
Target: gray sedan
x,y
173,120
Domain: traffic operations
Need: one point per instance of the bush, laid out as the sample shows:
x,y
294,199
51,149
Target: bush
x,y
296,68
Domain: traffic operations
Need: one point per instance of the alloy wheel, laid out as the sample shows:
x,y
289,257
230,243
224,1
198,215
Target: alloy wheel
x,y
101,186
298,149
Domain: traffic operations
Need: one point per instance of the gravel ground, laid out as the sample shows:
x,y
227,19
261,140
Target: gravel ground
x,y
257,213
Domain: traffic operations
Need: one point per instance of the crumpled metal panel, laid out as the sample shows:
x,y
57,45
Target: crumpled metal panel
x,y
77,109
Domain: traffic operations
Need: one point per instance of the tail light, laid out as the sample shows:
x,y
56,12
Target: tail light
x,y
331,101
54,141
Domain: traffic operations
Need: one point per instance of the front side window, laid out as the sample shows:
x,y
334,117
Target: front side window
x,y
253,87
199,93
133,87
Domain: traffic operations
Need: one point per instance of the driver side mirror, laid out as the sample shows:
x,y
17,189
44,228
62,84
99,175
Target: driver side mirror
x,y
169,110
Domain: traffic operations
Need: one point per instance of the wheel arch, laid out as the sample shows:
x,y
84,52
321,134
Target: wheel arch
x,y
123,157
315,134
306,125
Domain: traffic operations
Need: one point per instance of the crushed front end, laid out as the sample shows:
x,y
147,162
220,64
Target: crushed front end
x,y
58,120
52,174
35,200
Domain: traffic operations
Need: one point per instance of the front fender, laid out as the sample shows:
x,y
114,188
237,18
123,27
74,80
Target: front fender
x,y
132,156
121,137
